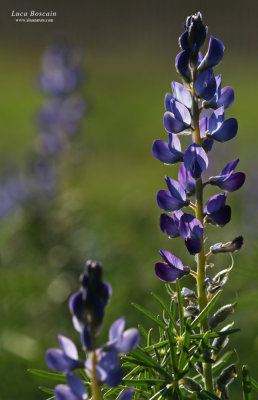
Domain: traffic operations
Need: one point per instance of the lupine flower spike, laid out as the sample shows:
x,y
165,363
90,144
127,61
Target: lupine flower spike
x,y
197,106
102,364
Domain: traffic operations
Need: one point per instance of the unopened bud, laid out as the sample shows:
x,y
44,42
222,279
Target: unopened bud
x,y
221,315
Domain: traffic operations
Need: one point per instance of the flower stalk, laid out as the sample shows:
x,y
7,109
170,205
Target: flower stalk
x,y
201,259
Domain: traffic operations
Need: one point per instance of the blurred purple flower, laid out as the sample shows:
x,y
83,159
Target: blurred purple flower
x,y
89,303
75,390
61,72
66,359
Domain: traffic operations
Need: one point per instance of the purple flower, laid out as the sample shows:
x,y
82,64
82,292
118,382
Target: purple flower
x,y
194,36
214,54
169,223
75,390
127,395
205,85
223,97
219,129
174,199
108,368
177,118
89,303
60,70
168,153
182,65
170,270
191,230
217,211
184,225
182,94
66,359
228,180
204,127
195,160
186,180
120,340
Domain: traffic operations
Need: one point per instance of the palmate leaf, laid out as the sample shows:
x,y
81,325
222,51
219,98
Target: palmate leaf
x,y
140,357
56,376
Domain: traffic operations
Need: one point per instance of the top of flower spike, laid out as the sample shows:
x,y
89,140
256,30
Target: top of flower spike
x,y
194,36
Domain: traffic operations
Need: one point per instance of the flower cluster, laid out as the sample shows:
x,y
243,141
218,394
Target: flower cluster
x,y
58,120
195,108
102,364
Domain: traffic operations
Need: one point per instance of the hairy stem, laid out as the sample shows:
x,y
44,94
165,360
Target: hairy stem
x,y
202,299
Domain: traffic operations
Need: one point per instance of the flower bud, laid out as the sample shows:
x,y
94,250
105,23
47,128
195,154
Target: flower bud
x,y
225,378
220,342
222,314
229,247
190,384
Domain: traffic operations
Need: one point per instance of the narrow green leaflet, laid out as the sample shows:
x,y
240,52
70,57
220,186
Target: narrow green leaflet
x,y
185,346
47,390
173,355
206,310
150,315
49,375
180,306
165,307
254,384
145,382
222,362
143,358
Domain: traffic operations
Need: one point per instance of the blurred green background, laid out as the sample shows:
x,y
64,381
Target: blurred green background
x,y
105,204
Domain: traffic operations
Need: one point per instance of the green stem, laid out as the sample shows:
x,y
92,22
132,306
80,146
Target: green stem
x,y
202,299
95,384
